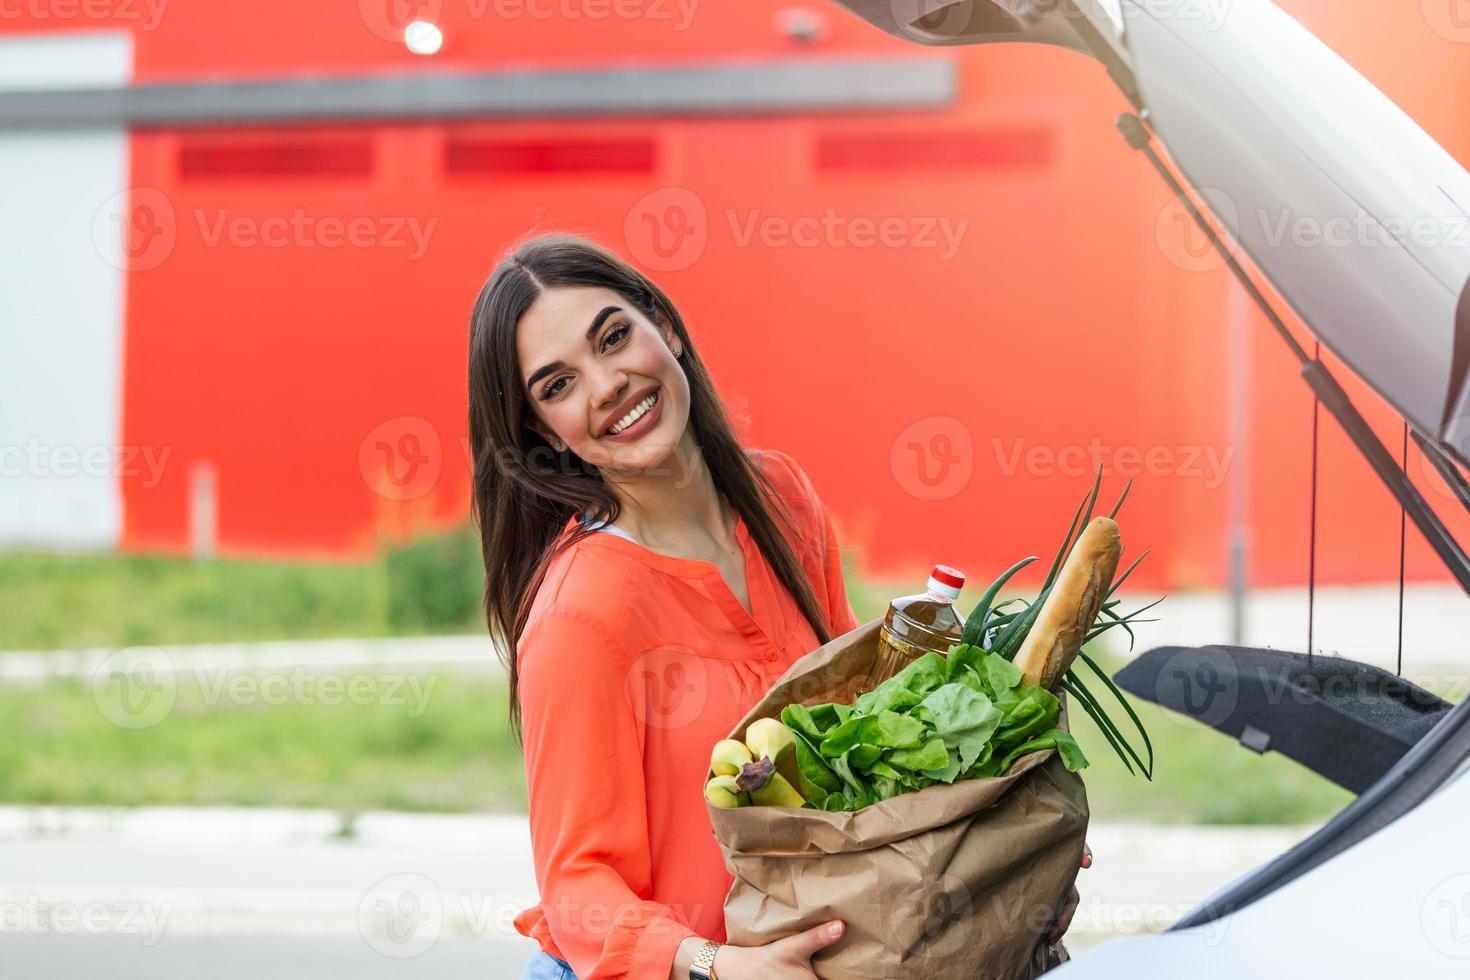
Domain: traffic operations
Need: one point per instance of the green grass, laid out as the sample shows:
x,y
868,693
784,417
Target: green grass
x,y
456,755
59,601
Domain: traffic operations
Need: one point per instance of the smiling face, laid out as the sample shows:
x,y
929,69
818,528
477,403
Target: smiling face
x,y
601,378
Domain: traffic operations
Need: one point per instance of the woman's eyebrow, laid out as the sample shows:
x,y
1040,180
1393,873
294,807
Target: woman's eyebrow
x,y
543,371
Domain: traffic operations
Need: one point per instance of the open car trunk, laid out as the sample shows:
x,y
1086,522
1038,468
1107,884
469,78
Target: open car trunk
x,y
1270,127
1266,129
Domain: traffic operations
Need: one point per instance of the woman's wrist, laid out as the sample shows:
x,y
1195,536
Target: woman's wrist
x,y
684,957
704,962
689,949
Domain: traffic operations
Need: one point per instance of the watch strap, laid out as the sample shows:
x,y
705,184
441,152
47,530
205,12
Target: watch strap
x,y
703,967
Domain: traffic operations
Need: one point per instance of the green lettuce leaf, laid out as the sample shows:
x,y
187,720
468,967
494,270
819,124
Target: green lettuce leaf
x,y
951,770
887,729
930,755
815,721
920,677
1063,742
817,778
962,717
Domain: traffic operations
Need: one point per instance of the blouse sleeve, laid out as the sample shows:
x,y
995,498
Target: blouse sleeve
x,y
585,788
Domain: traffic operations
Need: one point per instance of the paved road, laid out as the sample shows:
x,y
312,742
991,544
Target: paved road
x,y
249,958
176,893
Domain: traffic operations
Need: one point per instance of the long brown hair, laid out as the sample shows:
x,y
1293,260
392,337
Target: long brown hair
x,y
525,490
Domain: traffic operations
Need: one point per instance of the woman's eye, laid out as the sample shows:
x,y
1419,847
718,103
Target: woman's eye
x,y
613,336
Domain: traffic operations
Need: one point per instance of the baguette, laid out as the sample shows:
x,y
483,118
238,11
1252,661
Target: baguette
x,y
1073,603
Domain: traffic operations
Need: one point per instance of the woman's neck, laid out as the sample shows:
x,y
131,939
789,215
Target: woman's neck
x,y
676,508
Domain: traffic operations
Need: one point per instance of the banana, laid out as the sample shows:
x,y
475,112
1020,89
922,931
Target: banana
x,y
768,738
777,792
728,756
766,786
722,792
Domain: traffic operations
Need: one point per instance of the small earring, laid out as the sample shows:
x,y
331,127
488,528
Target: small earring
x,y
678,351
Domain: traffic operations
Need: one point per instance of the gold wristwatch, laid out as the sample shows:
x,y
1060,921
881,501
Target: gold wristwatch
x,y
703,967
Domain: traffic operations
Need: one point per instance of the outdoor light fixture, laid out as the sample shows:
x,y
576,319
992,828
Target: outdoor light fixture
x,y
423,37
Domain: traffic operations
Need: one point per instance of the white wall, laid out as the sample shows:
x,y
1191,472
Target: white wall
x,y
61,303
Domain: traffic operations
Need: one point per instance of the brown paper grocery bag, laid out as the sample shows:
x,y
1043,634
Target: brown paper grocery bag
x,y
956,882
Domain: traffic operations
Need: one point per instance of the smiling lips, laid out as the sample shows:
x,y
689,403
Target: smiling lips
x,y
640,408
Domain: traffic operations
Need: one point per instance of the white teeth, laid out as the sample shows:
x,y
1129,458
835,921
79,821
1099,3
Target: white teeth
x,y
634,415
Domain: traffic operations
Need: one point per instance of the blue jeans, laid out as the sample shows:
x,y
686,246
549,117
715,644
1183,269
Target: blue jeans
x,y
543,966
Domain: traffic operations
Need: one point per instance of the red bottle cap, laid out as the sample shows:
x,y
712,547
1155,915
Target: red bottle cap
x,y
952,577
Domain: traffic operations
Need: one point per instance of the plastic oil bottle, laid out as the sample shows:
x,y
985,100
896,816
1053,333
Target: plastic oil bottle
x,y
918,624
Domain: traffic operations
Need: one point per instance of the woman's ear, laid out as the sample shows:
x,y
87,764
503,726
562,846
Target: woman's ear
x,y
671,339
534,424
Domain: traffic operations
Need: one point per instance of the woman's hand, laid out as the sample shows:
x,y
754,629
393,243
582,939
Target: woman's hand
x,y
1069,908
785,959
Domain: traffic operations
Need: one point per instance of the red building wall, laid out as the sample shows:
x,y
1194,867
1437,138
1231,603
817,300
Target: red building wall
x,y
945,399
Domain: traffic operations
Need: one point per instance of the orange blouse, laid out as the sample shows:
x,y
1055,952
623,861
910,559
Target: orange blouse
x,y
632,665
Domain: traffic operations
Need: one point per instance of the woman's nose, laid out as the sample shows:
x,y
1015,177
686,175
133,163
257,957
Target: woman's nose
x,y
608,385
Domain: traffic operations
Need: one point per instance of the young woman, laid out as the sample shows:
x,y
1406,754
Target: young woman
x,y
652,579
649,580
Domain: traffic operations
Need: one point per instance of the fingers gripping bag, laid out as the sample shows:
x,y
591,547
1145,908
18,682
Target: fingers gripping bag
x,y
953,881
